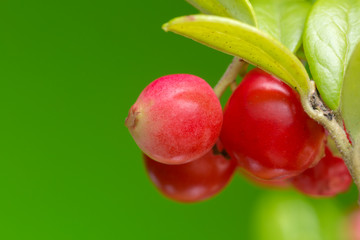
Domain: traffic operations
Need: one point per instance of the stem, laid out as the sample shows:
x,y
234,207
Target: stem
x,y
316,109
233,86
236,66
339,119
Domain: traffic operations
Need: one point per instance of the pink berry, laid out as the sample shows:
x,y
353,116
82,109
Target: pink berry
x,y
176,119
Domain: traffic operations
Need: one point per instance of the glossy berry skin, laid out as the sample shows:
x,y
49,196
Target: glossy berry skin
x,y
194,181
176,119
328,178
267,131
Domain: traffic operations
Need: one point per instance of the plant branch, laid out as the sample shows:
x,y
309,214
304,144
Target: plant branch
x,y
316,109
237,66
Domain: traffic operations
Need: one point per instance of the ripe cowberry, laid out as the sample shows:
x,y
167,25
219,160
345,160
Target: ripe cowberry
x,y
328,178
194,181
176,119
267,131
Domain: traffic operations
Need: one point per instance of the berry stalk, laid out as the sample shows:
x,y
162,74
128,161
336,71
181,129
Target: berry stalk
x,y
236,67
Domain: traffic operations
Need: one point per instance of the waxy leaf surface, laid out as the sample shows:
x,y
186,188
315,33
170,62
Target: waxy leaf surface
x,y
283,19
246,42
237,9
331,34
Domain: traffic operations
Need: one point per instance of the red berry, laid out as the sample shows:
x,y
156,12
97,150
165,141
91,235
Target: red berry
x,y
194,181
267,131
176,119
328,178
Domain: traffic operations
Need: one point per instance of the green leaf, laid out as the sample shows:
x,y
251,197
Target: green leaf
x,y
350,97
284,216
237,9
283,19
331,33
290,215
246,42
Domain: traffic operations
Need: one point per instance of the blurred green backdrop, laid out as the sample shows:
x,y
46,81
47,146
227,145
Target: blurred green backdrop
x,y
69,169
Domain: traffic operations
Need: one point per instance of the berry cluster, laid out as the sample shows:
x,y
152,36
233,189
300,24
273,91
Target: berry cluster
x,y
192,147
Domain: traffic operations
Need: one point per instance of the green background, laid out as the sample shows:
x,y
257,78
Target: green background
x,y
69,169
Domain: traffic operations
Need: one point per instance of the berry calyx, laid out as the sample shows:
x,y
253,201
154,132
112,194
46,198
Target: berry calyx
x,y
267,131
176,119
